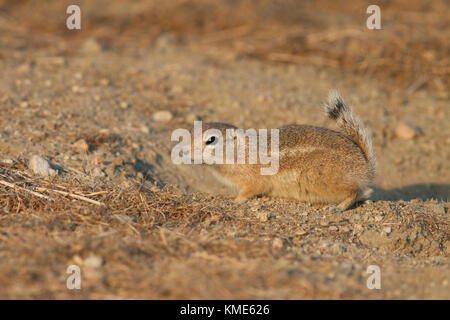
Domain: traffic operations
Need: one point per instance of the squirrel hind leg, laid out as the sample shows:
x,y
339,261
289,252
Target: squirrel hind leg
x,y
348,202
353,198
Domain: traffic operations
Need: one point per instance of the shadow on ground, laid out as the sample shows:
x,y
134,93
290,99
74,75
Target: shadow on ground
x,y
423,191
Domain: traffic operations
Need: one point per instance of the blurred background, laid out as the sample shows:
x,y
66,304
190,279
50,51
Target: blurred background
x,y
411,51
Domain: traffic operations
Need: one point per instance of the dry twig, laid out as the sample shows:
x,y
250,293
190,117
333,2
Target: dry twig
x,y
76,196
11,185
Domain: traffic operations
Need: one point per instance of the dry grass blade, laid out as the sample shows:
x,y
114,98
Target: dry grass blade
x,y
227,34
286,57
11,185
72,195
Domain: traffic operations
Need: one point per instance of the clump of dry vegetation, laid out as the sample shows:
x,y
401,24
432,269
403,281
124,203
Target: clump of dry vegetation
x,y
140,241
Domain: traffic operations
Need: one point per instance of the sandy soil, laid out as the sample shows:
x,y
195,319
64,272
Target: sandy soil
x,y
86,102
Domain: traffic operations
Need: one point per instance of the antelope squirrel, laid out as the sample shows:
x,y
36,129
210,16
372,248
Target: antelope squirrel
x,y
316,165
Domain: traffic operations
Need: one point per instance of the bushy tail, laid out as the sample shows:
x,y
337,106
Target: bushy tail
x,y
337,110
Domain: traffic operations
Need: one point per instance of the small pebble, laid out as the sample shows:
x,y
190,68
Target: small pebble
x,y
261,98
81,145
93,261
191,117
387,230
77,260
91,46
124,105
97,160
324,244
135,146
407,131
165,41
77,89
97,172
104,82
145,129
277,243
104,131
177,89
162,116
23,68
262,216
41,166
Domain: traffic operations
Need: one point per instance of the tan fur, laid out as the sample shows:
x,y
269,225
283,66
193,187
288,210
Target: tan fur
x,y
316,165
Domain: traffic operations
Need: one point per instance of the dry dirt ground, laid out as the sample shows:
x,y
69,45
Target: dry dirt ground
x,y
139,226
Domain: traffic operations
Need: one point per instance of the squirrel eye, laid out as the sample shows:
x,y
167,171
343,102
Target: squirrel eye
x,y
210,140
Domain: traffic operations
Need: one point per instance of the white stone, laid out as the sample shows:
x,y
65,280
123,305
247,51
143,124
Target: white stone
x,y
162,116
93,261
41,166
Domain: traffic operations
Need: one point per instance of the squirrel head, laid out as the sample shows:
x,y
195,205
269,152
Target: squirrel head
x,y
211,146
